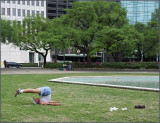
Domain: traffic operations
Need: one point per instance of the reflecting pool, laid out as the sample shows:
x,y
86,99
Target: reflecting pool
x,y
150,82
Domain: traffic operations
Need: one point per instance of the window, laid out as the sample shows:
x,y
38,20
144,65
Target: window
x,y
23,2
42,13
37,3
14,11
28,12
2,1
28,2
31,57
8,1
18,2
40,58
19,22
19,12
23,12
13,1
33,12
3,11
8,11
42,3
33,3
37,12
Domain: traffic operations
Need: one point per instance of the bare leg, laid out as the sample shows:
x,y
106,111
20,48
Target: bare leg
x,y
30,90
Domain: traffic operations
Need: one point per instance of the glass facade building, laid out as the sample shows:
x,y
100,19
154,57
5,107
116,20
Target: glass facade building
x,y
139,10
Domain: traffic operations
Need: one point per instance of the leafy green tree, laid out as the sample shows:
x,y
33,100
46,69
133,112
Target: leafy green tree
x,y
141,28
60,31
7,31
117,41
88,18
154,22
34,34
151,46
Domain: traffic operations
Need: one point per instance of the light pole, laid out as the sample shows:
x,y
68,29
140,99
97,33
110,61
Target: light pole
x,y
78,52
157,58
142,54
102,55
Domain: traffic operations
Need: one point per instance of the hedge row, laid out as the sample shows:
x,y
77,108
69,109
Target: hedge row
x,y
54,65
29,64
131,65
118,65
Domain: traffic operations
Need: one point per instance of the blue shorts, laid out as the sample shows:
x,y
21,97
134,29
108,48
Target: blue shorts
x,y
45,91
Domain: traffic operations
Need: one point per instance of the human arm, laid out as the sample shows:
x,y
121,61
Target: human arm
x,y
51,103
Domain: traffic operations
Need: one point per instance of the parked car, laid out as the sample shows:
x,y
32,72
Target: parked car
x,y
13,64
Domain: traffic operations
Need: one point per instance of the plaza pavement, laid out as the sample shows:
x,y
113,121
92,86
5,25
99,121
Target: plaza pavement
x,y
38,70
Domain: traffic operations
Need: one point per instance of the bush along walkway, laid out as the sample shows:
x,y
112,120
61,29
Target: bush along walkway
x,y
142,66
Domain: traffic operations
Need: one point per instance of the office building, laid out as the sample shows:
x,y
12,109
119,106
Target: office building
x,y
139,10
56,8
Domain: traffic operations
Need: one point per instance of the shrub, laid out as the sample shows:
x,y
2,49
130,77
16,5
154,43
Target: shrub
x,y
54,65
150,65
111,65
29,64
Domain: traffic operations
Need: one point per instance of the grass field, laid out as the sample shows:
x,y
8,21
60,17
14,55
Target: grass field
x,y
80,103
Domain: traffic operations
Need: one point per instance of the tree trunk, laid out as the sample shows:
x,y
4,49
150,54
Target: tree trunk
x,y
44,64
45,58
64,52
115,57
88,60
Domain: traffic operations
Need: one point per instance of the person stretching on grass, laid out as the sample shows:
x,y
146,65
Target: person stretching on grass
x,y
45,92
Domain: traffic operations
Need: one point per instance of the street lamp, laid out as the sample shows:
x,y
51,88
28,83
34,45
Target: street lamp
x,y
102,55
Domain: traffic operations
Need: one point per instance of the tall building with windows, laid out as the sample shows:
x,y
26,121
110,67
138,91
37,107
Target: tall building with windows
x,y
139,10
17,10
56,8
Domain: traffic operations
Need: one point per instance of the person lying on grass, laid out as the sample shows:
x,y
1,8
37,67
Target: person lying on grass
x,y
45,92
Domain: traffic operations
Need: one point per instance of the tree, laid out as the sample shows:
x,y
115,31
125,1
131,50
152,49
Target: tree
x,y
88,18
6,31
151,47
34,35
60,30
154,22
117,41
141,28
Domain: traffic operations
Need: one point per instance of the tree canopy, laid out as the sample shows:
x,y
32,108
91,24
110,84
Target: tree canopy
x,y
33,34
90,27
88,18
151,47
116,41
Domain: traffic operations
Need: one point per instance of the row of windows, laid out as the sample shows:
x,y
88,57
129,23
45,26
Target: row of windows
x,y
21,12
26,2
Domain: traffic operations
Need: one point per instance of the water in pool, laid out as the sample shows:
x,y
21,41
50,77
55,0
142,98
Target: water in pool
x,y
136,81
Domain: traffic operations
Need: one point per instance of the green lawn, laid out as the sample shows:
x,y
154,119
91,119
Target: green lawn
x,y
80,103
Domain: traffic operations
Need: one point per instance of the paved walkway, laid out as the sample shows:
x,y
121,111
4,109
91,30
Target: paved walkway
x,y
36,70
